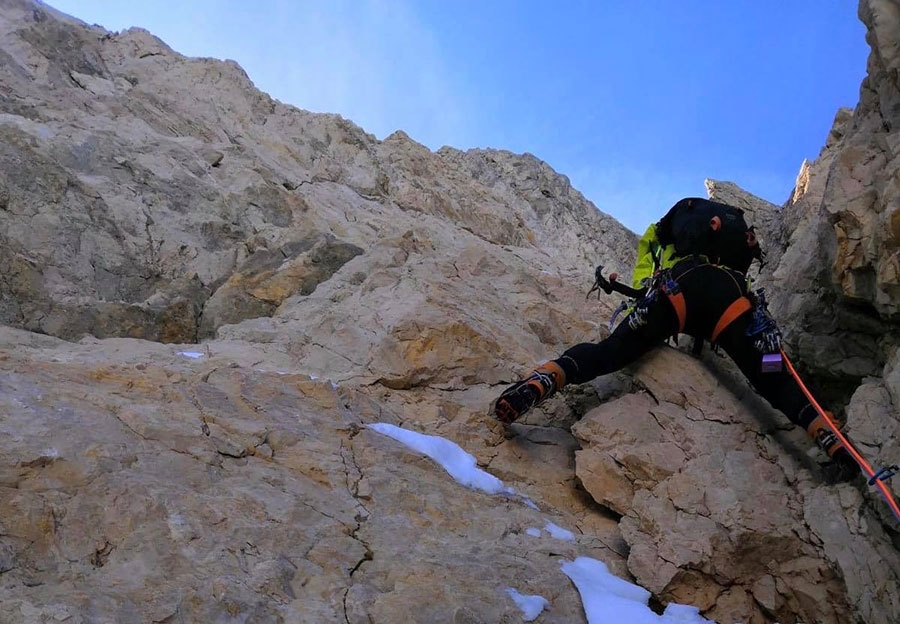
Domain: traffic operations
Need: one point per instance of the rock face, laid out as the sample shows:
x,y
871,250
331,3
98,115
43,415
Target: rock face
x,y
706,476
208,492
838,280
126,166
148,201
835,287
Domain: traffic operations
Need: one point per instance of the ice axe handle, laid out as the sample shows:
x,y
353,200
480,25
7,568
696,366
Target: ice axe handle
x,y
602,282
613,284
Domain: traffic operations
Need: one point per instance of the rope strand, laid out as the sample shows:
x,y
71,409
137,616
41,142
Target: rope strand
x,y
881,485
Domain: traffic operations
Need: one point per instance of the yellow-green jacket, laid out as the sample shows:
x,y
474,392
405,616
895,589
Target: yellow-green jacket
x,y
651,256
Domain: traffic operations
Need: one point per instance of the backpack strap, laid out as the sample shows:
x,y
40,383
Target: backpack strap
x,y
731,314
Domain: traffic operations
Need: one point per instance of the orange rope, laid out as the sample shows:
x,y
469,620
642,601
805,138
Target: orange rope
x,y
888,497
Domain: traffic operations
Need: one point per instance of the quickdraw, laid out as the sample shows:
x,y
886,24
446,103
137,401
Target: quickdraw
x,y
764,333
763,329
884,474
638,316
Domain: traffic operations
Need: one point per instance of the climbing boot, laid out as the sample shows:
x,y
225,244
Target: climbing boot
x,y
842,466
542,383
823,435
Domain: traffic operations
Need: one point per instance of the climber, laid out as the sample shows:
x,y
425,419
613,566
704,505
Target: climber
x,y
691,278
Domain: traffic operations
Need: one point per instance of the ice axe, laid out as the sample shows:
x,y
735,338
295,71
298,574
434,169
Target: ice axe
x,y
612,284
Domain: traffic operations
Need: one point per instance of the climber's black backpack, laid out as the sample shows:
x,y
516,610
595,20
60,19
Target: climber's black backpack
x,y
718,232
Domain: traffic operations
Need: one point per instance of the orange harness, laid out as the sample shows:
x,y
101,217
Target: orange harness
x,y
676,297
729,316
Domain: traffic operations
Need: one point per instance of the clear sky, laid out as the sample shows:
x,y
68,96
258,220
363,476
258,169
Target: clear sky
x,y
636,101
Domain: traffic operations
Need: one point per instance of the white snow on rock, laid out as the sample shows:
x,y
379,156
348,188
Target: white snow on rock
x,y
684,614
530,605
457,462
194,355
607,598
559,533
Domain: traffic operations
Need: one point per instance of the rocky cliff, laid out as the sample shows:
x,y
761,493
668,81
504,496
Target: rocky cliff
x,y
210,296
836,247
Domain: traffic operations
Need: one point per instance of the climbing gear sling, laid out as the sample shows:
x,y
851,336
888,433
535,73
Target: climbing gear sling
x,y
764,333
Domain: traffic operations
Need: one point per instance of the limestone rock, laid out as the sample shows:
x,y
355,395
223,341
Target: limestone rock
x,y
208,491
339,281
838,341
267,278
132,165
841,254
706,499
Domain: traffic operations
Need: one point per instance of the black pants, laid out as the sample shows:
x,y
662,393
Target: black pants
x,y
708,291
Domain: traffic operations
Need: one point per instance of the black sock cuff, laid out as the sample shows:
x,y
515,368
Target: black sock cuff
x,y
806,415
570,368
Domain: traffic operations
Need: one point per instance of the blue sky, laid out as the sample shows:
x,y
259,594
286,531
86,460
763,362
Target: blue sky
x,y
637,102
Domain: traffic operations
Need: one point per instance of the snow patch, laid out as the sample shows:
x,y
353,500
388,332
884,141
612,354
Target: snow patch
x,y
683,614
559,533
533,532
194,355
457,462
531,606
607,598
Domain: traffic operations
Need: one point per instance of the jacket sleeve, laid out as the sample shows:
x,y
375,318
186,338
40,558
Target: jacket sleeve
x,y
644,266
